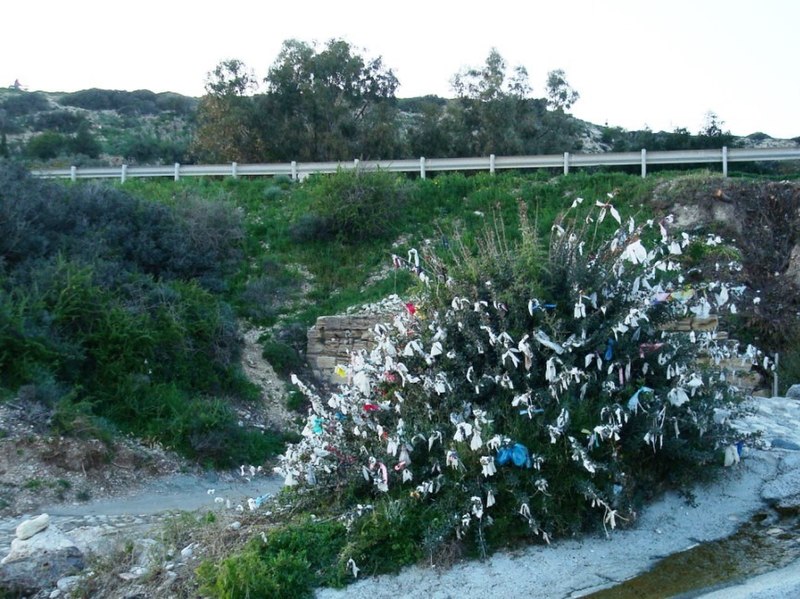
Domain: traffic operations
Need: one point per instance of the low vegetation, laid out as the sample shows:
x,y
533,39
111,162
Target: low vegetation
x,y
111,315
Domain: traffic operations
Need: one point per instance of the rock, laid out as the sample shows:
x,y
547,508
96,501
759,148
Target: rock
x,y
28,528
793,392
236,525
66,584
40,561
145,552
783,492
778,443
169,580
187,551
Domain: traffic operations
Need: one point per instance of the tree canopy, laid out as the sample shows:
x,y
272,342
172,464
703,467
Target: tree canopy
x,y
330,102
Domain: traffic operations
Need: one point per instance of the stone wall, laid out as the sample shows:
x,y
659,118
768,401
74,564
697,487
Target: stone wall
x,y
333,338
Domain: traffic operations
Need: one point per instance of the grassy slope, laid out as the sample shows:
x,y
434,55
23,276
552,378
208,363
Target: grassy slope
x,y
340,273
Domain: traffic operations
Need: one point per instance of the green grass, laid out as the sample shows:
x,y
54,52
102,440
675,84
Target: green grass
x,y
435,210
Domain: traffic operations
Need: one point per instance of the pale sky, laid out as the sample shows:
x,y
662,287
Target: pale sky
x,y
636,63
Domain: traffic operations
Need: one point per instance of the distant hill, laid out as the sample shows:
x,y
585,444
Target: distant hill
x,y
102,127
96,125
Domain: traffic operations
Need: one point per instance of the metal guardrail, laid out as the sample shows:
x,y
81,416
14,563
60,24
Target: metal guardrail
x,y
421,166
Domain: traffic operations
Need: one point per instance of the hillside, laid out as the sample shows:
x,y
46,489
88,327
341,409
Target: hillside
x,y
97,126
109,127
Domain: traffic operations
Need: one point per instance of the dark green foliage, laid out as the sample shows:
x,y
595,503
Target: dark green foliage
x,y
107,314
267,291
139,102
85,143
148,149
49,145
46,146
23,103
282,357
61,121
286,348
353,207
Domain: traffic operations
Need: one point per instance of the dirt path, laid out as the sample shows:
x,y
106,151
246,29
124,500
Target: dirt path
x,y
96,523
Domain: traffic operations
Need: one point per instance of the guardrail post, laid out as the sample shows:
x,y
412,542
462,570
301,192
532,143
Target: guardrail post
x,y
355,165
644,163
566,163
724,161
177,172
421,167
491,164
123,175
294,170
233,169
73,173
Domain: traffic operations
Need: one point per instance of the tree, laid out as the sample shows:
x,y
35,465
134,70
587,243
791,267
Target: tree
x,y
711,134
230,78
489,108
225,115
319,102
560,95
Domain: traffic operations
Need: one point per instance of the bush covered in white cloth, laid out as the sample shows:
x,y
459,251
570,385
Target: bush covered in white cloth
x,y
530,391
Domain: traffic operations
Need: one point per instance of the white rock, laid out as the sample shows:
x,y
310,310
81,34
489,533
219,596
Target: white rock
x,y
28,528
138,571
187,551
235,525
48,541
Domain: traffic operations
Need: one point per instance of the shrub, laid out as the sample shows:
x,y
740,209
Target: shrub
x,y
355,206
282,357
268,292
108,316
47,145
61,121
290,562
532,392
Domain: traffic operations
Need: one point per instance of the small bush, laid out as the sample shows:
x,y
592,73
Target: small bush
x,y
282,357
22,103
48,145
354,206
61,121
289,563
311,228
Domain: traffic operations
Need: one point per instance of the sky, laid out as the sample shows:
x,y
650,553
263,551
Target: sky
x,y
636,63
